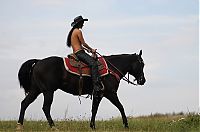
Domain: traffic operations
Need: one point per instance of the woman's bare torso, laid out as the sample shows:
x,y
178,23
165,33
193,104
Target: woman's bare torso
x,y
76,40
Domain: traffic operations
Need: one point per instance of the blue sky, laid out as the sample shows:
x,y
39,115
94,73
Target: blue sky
x,y
167,31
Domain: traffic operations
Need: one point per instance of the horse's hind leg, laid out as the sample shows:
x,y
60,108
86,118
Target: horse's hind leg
x,y
26,102
48,99
115,100
95,105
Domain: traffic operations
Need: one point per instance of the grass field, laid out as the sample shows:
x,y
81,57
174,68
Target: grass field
x,y
155,123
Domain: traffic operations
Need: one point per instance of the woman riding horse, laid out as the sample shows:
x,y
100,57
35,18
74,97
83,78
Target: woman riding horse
x,y
47,75
76,41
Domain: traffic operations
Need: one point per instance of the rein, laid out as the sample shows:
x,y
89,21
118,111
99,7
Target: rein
x,y
123,76
127,80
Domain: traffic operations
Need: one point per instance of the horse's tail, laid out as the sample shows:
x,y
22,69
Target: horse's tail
x,y
25,73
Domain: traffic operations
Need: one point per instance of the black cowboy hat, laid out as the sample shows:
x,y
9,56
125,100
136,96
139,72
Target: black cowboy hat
x,y
77,20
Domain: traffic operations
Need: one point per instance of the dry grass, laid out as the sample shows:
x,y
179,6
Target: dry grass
x,y
157,122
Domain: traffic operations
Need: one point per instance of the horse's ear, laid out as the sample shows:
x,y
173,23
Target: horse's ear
x,y
140,53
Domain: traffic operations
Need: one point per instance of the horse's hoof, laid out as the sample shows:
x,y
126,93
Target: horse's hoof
x,y
92,125
19,127
53,128
126,126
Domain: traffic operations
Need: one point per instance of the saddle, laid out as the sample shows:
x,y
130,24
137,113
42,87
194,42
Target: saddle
x,y
75,66
75,62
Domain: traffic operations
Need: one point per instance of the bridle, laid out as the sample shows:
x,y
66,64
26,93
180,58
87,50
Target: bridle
x,y
128,80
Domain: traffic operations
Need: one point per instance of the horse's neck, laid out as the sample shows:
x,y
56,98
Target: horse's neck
x,y
121,62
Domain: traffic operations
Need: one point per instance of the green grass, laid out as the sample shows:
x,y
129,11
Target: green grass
x,y
154,123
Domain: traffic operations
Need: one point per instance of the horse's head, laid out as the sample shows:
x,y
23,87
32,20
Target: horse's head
x,y
136,69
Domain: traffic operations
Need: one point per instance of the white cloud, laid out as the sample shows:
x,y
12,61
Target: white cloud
x,y
141,21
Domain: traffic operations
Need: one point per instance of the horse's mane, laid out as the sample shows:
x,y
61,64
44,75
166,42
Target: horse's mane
x,y
119,56
121,59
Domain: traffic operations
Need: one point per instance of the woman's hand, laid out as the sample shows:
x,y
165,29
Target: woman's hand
x,y
94,50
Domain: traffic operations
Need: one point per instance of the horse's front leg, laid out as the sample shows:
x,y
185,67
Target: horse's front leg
x,y
115,100
95,105
48,99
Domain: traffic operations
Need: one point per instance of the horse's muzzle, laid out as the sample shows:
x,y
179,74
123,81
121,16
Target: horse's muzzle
x,y
141,80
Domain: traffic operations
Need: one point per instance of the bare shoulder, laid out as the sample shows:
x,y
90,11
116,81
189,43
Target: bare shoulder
x,y
77,31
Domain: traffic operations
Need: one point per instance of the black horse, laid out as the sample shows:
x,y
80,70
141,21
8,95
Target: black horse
x,y
47,75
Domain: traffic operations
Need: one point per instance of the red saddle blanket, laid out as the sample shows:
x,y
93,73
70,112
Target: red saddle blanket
x,y
72,66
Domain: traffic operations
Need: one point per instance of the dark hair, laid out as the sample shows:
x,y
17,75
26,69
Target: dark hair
x,y
71,31
69,37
